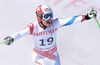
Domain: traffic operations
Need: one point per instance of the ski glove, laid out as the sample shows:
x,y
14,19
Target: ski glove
x,y
8,40
91,14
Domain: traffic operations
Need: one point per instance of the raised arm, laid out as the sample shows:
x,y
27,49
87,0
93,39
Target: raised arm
x,y
77,19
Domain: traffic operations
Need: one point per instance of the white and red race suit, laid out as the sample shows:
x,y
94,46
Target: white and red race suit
x,y
44,40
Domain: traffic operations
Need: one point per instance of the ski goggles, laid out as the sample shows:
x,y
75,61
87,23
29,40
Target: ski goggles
x,y
47,16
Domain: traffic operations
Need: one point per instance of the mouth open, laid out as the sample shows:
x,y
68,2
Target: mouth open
x,y
48,22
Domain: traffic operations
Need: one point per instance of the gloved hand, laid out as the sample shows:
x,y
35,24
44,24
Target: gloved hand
x,y
8,40
91,14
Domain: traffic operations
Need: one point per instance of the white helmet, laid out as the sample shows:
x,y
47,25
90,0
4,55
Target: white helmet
x,y
44,12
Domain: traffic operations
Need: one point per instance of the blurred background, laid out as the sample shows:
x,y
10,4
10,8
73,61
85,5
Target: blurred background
x,y
78,44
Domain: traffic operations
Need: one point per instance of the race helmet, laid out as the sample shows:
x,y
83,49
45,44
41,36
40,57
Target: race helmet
x,y
44,12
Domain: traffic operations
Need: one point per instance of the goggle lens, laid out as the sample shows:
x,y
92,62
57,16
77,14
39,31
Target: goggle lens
x,y
47,16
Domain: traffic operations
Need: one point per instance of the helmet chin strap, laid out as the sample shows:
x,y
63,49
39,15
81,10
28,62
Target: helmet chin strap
x,y
44,27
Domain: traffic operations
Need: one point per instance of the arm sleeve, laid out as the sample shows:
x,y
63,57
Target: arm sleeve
x,y
71,20
20,34
28,30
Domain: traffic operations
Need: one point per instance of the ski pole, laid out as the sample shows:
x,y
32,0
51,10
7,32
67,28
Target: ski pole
x,y
1,42
97,22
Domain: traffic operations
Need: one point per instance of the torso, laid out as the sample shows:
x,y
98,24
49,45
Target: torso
x,y
44,39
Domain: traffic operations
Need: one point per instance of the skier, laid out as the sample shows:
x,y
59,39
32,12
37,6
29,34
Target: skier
x,y
44,31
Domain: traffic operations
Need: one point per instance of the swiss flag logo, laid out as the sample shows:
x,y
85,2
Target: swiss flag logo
x,y
46,9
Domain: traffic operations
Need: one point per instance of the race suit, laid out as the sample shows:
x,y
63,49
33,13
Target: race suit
x,y
44,40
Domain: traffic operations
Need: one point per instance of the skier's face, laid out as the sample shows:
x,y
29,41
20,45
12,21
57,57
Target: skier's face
x,y
47,23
